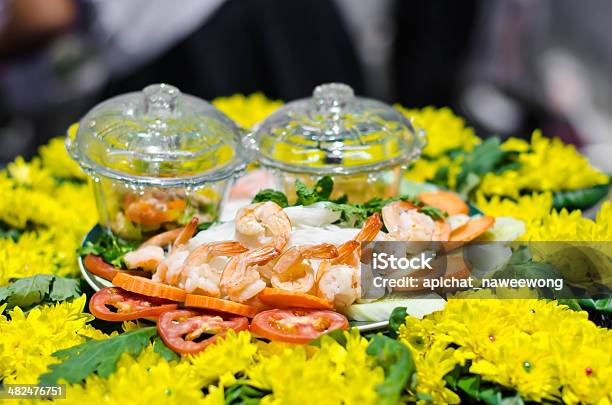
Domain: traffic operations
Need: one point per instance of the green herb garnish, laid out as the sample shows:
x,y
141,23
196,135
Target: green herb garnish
x,y
351,214
271,195
110,247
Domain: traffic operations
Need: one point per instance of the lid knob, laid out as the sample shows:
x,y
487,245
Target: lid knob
x,y
333,96
161,100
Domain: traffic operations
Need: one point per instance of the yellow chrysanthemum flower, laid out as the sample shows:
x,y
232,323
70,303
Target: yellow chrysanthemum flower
x,y
145,379
332,375
528,208
247,110
547,165
28,340
424,170
431,367
523,362
56,160
30,175
234,354
445,131
526,344
572,226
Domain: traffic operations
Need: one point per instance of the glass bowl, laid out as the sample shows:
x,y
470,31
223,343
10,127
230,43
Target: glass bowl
x,y
363,144
156,158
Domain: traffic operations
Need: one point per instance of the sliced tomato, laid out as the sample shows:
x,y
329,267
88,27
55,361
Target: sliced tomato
x,y
96,265
296,325
117,304
187,332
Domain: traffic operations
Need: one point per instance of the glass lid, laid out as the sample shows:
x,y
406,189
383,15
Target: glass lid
x,y
158,137
334,132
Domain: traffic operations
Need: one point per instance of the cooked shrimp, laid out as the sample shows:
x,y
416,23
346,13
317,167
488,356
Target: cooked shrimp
x,y
240,279
169,269
339,280
201,273
151,252
256,223
164,238
405,223
146,257
293,273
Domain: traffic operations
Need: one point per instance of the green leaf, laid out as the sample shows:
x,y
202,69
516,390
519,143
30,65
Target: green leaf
x,y
433,212
452,378
202,226
99,356
4,293
324,188
352,215
9,232
320,192
484,158
341,200
577,304
580,199
396,360
424,397
486,392
305,195
337,335
572,303
110,247
64,289
397,319
160,347
522,266
28,291
243,394
271,195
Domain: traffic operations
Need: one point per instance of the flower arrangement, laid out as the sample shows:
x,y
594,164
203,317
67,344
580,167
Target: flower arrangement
x,y
475,349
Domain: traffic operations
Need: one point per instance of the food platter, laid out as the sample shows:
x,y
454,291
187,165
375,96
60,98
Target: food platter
x,y
98,283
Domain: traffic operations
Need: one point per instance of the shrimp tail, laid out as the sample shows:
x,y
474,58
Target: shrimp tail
x,y
370,228
188,231
320,251
164,238
262,255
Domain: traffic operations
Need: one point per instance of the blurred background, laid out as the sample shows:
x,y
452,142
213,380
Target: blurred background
x,y
507,66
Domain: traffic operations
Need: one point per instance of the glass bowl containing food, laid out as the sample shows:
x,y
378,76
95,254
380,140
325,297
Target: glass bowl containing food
x,y
361,143
157,158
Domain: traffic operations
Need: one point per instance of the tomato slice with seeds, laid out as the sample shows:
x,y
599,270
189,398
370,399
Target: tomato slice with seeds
x,y
189,332
117,304
296,325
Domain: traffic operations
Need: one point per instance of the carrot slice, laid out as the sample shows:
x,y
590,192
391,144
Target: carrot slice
x,y
445,201
220,305
148,287
473,229
277,298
